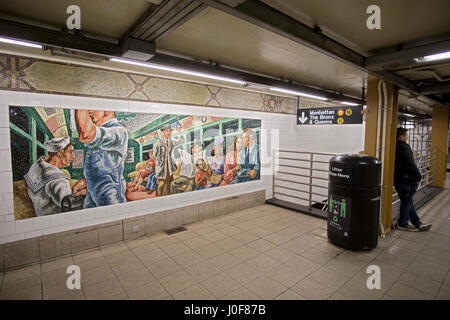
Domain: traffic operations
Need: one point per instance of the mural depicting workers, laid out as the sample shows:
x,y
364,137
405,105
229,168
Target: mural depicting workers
x,y
164,159
186,182
149,173
248,161
106,141
47,185
217,163
67,159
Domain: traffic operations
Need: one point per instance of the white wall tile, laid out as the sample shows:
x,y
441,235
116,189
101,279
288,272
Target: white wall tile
x,y
7,176
6,206
87,214
33,234
4,141
66,227
73,217
17,98
4,97
79,225
41,223
36,99
15,237
57,220
52,100
100,212
7,228
8,196
25,225
9,217
68,102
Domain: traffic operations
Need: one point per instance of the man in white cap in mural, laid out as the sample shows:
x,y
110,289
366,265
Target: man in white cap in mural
x,y
106,141
47,185
164,159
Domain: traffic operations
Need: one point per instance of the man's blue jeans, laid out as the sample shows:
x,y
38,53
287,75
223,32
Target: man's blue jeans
x,y
407,210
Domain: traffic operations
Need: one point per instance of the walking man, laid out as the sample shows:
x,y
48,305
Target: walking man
x,y
163,156
406,180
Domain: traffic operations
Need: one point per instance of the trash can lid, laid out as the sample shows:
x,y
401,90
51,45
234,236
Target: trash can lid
x,y
355,170
356,159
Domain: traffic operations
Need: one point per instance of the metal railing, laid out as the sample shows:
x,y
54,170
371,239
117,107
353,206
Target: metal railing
x,y
301,177
425,159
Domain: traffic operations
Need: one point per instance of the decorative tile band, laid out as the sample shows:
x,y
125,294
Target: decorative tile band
x,y
25,74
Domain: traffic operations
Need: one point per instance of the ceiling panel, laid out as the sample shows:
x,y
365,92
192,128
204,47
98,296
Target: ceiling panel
x,y
345,20
110,18
214,35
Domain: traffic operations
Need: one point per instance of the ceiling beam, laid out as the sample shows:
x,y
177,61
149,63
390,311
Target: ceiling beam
x,y
436,89
268,18
24,32
159,20
382,61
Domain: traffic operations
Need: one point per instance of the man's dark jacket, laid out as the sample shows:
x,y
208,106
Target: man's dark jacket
x,y
406,171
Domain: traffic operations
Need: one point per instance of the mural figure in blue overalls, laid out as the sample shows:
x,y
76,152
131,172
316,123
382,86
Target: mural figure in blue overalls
x,y
106,141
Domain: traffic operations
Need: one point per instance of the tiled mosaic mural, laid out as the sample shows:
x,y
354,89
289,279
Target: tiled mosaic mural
x,y
66,159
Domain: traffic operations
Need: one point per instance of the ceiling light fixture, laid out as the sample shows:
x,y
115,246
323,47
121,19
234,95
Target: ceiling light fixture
x,y
177,70
349,103
297,93
434,57
20,43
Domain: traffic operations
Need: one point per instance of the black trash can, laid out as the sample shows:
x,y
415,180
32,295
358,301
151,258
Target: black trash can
x,y
354,201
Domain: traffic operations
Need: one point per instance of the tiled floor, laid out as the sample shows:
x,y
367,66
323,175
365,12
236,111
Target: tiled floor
x,y
260,253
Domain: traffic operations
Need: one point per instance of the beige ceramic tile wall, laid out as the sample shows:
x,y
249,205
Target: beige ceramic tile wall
x,y
46,248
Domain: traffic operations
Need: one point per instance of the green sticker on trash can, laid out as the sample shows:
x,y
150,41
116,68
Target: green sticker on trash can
x,y
339,214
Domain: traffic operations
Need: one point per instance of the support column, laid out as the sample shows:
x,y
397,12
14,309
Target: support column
x,y
370,142
439,140
371,115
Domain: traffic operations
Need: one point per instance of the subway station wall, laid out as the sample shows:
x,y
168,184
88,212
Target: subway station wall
x,y
178,98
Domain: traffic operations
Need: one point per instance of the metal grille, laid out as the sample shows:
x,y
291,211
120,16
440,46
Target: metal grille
x,y
419,132
419,139
301,177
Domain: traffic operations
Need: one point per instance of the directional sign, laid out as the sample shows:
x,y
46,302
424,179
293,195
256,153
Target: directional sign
x,y
326,116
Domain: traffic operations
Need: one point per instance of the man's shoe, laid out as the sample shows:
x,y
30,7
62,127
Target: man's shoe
x,y
425,227
408,228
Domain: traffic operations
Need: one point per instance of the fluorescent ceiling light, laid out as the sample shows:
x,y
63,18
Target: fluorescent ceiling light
x,y
439,56
20,43
349,103
297,93
183,71
434,57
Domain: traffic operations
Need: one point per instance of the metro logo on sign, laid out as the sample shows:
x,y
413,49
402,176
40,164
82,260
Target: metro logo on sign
x,y
327,116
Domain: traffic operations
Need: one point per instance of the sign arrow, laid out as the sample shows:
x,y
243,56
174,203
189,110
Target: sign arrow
x,y
303,118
